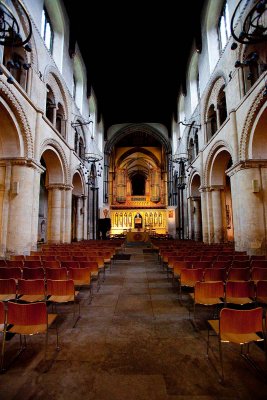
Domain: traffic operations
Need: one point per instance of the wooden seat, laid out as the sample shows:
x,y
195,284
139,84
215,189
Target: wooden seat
x,y
28,320
239,327
8,289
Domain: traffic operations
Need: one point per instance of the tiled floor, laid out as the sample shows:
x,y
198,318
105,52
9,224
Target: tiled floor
x,y
133,342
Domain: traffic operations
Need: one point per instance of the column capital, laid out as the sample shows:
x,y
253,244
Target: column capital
x,y
204,189
248,164
23,161
216,188
196,198
59,186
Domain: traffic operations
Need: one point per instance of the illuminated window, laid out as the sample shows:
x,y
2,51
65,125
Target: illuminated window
x,y
47,31
224,26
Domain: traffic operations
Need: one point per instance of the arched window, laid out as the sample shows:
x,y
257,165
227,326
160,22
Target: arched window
x,y
224,31
47,31
16,63
79,145
221,105
211,122
196,143
191,155
50,105
60,125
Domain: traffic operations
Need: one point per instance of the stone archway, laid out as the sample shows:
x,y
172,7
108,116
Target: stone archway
x,y
78,210
221,197
51,201
195,228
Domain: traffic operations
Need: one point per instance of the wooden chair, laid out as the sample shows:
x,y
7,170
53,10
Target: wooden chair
x,y
33,273
239,292
81,278
63,291
240,327
56,273
2,329
208,294
8,289
215,274
27,320
31,290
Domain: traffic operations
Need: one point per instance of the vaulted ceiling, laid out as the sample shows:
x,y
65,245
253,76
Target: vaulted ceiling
x,y
136,55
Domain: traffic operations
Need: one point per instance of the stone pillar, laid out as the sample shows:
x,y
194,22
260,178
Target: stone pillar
x,y
234,135
54,213
190,219
217,213
249,193
204,215
67,214
79,220
21,208
85,217
197,218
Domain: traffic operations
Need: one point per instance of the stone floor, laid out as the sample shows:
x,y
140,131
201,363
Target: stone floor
x,y
134,342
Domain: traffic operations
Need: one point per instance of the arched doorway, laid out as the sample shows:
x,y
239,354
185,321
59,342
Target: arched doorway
x,y
195,209
51,222
78,209
221,198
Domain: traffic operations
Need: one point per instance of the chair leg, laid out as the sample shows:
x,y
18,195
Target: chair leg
x,y
221,360
3,352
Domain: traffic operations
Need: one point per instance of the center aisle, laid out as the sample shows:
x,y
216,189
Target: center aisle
x,y
133,342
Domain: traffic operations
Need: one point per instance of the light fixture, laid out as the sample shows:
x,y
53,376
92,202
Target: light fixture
x,y
10,35
92,166
251,28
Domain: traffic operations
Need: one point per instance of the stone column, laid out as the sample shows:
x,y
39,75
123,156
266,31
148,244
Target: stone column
x,y
197,217
204,215
79,220
21,208
54,213
85,217
67,213
217,213
234,135
249,194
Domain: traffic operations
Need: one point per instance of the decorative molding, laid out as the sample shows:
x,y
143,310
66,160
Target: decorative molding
x,y
16,107
53,79
256,105
53,143
221,144
218,80
248,164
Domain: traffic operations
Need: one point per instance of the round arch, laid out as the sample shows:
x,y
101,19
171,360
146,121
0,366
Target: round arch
x,y
11,107
54,166
78,184
216,148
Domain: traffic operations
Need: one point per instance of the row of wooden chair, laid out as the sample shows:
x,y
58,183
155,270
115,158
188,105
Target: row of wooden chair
x,y
25,320
220,274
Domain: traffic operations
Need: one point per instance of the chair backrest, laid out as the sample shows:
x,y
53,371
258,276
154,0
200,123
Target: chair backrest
x,y
241,321
33,273
31,286
261,289
239,289
51,264
82,274
56,273
10,272
27,314
205,290
33,264
215,274
259,274
60,287
238,274
2,315
258,263
70,264
190,276
93,265
8,286
240,264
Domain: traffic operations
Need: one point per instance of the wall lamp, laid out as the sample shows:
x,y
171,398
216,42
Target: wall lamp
x,y
251,28
10,35
192,124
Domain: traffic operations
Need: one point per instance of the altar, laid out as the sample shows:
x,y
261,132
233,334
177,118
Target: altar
x,y
137,237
